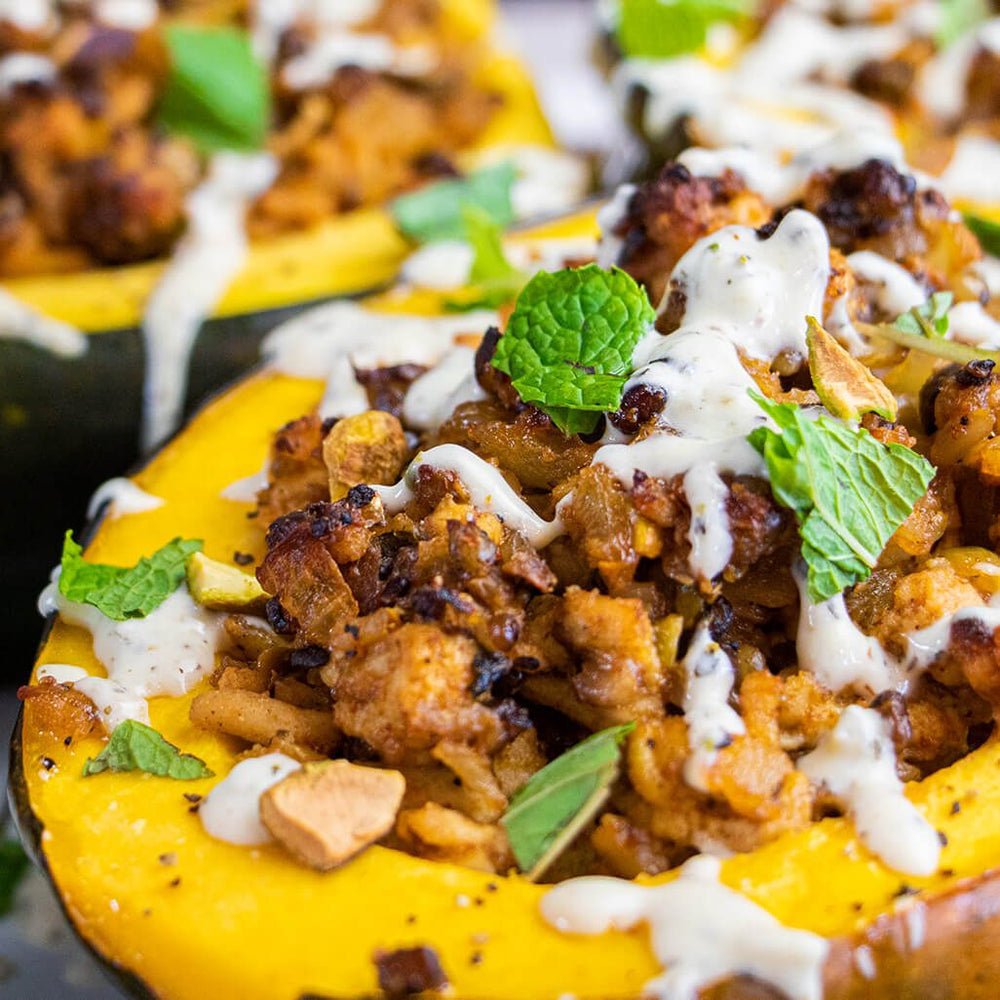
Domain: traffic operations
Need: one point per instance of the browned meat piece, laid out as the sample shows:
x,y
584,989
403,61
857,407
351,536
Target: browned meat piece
x,y
874,207
959,407
667,216
301,568
387,387
60,709
297,475
127,205
410,690
619,668
526,445
629,851
759,527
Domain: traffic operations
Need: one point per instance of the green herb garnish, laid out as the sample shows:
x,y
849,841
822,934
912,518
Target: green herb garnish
x,y
849,491
558,801
13,866
660,29
124,592
956,17
493,280
217,94
435,212
985,230
137,747
929,320
568,345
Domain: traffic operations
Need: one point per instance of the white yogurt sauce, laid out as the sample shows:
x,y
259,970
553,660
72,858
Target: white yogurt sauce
x,y
271,18
547,180
124,497
856,762
208,257
709,534
942,80
25,67
129,15
487,490
443,266
700,931
19,321
707,388
433,397
165,653
896,290
712,722
836,652
28,15
231,810
331,341
924,646
114,703
757,292
969,323
973,172
609,216
245,490
333,50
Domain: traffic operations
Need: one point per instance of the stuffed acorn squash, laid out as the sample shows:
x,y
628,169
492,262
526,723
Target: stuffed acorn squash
x,y
629,651
72,375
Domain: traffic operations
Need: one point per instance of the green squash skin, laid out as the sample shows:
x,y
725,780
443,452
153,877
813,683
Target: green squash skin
x,y
69,424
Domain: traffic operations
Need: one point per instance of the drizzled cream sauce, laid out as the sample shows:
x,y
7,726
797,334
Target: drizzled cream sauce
x,y
434,396
20,322
333,50
206,260
165,653
856,763
333,340
29,15
25,67
114,703
700,931
123,497
487,489
231,810
712,722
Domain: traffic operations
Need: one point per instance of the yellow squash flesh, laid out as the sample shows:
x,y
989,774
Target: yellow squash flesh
x,y
255,925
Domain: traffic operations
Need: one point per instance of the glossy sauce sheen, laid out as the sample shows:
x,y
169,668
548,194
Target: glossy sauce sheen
x,y
700,931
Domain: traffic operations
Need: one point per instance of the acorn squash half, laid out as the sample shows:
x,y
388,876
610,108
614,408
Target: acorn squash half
x,y
67,424
233,922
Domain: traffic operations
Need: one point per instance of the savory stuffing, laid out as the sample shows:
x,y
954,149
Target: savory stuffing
x,y
417,631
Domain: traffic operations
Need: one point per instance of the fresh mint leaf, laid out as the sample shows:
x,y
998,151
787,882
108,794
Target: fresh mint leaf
x,y
137,747
661,29
435,212
956,17
929,320
849,491
986,231
569,342
13,866
559,800
493,280
217,93
122,592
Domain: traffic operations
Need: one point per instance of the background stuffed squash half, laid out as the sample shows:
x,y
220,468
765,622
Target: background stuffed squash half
x,y
151,213
660,639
